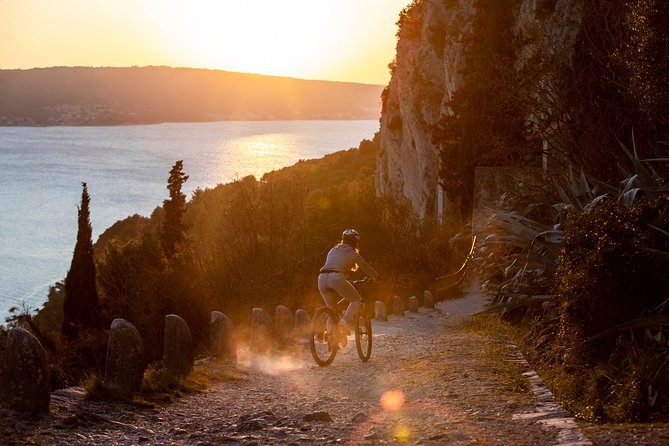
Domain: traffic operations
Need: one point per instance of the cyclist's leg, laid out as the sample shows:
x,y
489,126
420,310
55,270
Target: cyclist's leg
x,y
345,289
329,295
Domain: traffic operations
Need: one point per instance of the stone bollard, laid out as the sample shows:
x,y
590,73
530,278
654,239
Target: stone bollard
x,y
124,366
284,324
413,304
222,337
26,379
380,311
260,336
428,300
177,347
398,306
302,325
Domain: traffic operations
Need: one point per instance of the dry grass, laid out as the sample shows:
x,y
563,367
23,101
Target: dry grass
x,y
499,351
161,387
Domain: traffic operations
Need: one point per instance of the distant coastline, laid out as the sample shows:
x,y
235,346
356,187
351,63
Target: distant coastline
x,y
82,96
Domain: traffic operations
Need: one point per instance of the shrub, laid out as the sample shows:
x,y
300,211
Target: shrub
x,y
606,275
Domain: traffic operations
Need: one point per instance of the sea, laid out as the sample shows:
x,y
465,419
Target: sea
x,y
126,170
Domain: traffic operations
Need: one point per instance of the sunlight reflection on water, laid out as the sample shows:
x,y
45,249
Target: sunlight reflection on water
x,y
264,153
126,168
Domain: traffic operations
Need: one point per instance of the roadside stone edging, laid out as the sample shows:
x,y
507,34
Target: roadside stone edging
x,y
548,410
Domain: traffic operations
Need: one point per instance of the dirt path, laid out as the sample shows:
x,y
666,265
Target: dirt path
x,y
425,384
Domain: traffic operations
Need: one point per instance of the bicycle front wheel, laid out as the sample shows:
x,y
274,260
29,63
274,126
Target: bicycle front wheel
x,y
323,341
363,335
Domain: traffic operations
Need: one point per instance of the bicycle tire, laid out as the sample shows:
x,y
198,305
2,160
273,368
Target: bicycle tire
x,y
322,343
363,335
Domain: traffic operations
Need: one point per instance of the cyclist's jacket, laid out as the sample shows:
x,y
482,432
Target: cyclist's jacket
x,y
344,259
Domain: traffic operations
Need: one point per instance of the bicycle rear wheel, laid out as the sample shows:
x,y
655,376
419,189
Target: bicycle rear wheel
x,y
363,335
323,341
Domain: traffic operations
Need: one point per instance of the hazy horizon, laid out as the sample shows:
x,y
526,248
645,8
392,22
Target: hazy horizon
x,y
185,68
329,40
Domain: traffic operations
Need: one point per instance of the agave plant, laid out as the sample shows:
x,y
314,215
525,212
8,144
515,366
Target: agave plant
x,y
642,180
519,255
580,196
518,258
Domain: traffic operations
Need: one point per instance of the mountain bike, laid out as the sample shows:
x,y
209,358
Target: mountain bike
x,y
326,339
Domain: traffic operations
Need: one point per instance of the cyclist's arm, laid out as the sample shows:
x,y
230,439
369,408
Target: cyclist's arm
x,y
371,272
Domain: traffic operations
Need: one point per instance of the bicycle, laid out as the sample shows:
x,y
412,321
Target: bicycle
x,y
326,340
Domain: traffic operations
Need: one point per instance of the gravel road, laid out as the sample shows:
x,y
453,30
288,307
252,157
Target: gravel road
x,y
426,384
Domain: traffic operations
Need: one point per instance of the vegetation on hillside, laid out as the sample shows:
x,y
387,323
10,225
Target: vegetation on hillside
x,y
249,243
148,95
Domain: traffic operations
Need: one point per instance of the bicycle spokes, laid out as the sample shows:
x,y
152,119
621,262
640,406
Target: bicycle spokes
x,y
324,340
363,336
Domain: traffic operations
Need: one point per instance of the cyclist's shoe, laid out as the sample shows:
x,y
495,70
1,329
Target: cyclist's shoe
x,y
332,341
343,333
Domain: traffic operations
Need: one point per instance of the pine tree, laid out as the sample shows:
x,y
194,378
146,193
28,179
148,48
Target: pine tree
x,y
81,307
173,229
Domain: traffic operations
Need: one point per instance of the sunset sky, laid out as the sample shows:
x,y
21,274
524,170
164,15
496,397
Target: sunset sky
x,y
340,40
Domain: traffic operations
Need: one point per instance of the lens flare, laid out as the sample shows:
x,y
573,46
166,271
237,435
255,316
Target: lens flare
x,y
392,400
402,433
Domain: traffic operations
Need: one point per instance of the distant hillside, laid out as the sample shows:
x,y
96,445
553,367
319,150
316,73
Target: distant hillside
x,y
109,96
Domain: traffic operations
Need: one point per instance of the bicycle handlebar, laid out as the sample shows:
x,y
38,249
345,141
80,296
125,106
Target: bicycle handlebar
x,y
364,280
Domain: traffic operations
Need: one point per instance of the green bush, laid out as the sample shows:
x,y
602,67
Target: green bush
x,y
606,275
597,360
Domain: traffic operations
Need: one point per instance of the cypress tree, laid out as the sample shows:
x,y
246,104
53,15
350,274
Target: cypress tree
x,y
173,228
81,307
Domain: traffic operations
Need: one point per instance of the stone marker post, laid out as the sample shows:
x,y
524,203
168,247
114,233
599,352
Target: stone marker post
x,y
124,365
398,306
380,311
428,300
260,336
222,337
302,324
413,304
178,347
26,379
284,324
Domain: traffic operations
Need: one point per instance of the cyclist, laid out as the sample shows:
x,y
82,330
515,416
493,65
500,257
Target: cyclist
x,y
341,260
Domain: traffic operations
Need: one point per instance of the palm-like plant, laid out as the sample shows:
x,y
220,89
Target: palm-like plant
x,y
518,256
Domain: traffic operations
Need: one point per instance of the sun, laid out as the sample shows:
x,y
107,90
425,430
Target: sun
x,y
280,38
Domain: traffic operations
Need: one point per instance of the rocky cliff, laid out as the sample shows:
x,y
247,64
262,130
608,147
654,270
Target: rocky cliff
x,y
426,73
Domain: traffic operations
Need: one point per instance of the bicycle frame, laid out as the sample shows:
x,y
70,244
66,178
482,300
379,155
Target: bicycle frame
x,y
326,339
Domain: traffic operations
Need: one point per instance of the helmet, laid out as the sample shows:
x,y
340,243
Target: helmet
x,y
351,236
